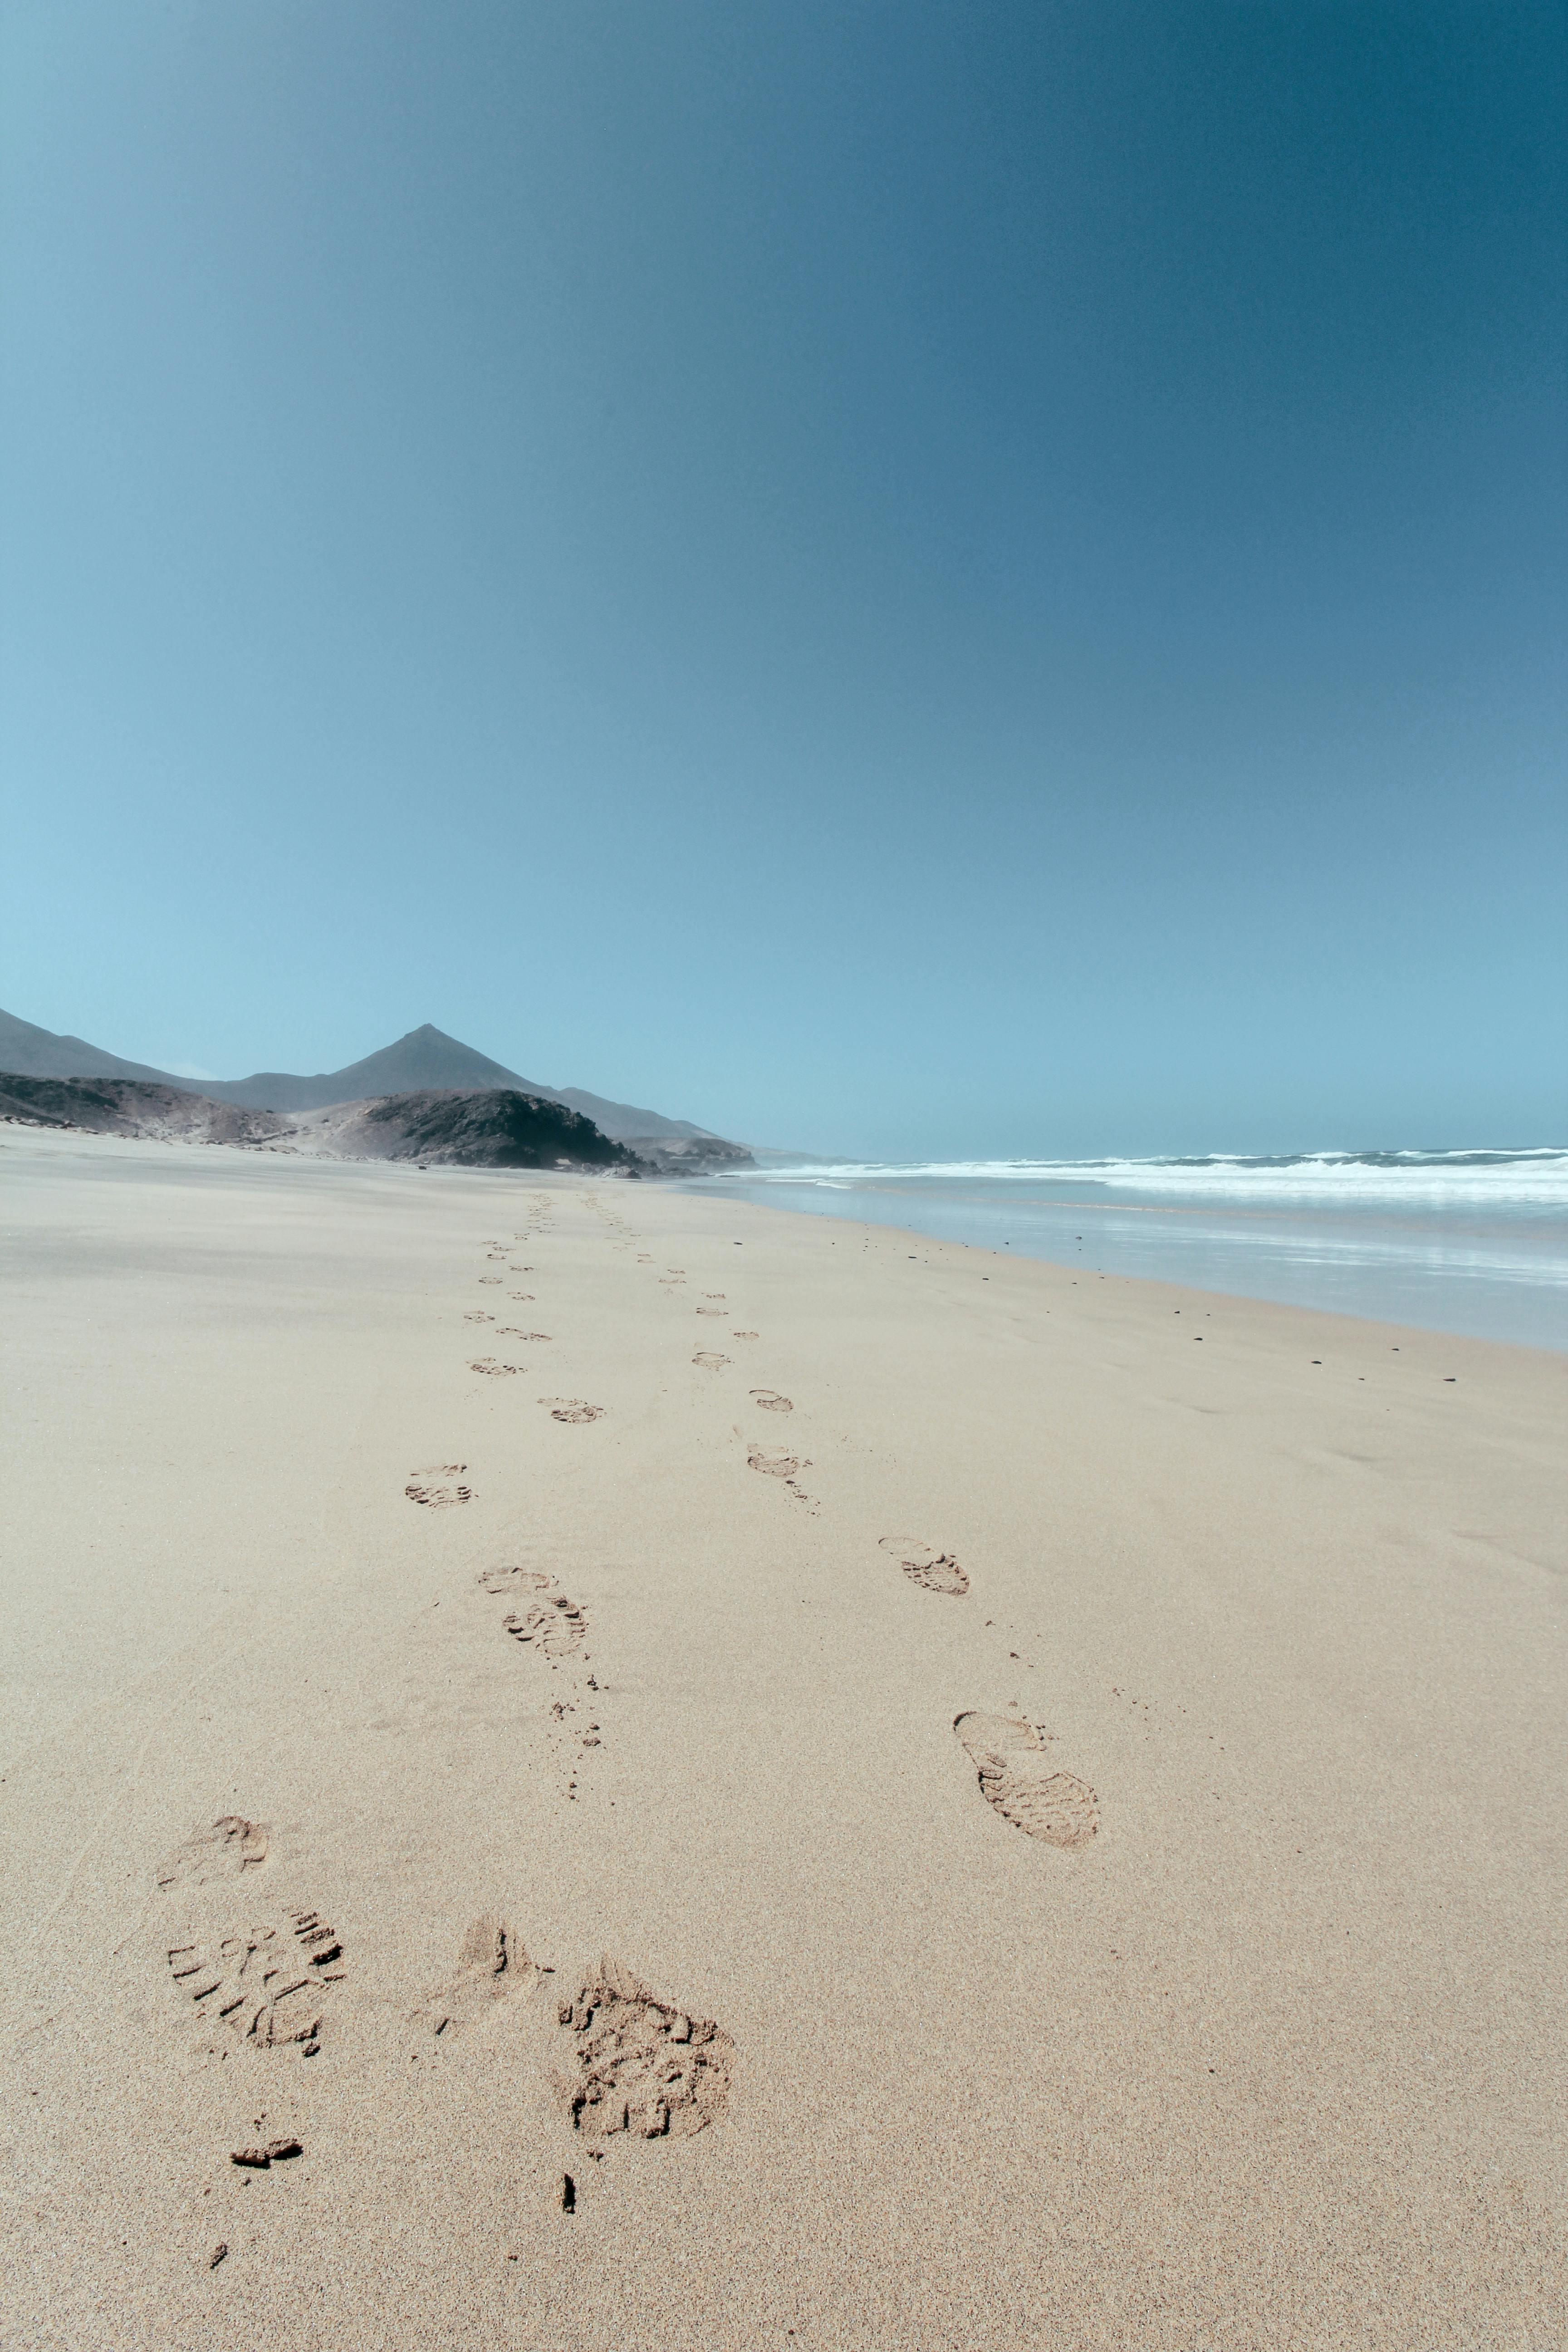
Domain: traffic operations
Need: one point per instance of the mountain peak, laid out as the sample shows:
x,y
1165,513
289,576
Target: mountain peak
x,y
425,1060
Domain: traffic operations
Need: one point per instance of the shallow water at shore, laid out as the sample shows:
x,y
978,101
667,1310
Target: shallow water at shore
x,y
1466,1241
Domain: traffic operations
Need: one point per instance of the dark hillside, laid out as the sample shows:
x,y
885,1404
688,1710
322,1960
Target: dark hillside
x,y
127,1107
497,1129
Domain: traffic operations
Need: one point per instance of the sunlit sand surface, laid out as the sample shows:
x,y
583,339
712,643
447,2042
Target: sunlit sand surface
x,y
795,1779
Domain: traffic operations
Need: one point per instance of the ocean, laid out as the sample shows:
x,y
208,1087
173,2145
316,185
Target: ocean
x,y
1473,1242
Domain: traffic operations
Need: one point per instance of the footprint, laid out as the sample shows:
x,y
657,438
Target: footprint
x,y
770,1401
709,1360
488,1366
555,1624
521,1298
231,1847
491,1966
712,1293
492,1279
640,2065
939,1571
573,1409
432,1485
743,1335
719,1311
479,1315
774,1464
1009,1755
513,1580
266,1983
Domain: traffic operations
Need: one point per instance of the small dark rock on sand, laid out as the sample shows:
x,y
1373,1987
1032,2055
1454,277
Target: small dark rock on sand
x,y
257,2159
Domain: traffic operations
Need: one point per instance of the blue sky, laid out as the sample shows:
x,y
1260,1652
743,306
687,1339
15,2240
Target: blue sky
x,y
978,579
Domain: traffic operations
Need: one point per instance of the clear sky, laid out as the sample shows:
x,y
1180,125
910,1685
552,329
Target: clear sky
x,y
964,579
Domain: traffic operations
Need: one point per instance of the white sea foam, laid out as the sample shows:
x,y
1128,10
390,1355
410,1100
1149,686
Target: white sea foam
x,y
1486,1180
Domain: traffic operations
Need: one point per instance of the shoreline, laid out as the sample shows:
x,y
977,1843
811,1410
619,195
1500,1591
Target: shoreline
x,y
1273,2053
700,1188
1503,1278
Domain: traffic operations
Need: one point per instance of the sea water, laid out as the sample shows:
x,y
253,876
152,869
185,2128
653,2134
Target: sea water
x,y
1474,1241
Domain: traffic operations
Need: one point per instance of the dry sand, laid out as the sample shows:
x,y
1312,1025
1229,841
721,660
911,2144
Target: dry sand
x,y
1204,1988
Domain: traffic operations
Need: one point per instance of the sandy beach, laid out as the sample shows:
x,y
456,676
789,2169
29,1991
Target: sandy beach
x,y
482,1659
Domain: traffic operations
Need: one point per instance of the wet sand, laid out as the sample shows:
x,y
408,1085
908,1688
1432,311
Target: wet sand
x,y
484,1777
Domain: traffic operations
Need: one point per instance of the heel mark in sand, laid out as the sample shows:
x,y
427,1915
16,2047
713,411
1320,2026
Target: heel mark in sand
x,y
513,1580
1008,1754
642,2065
492,1967
938,1571
231,1846
774,1463
434,1485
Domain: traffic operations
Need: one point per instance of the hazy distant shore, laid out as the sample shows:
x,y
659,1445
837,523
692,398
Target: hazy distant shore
x,y
958,1802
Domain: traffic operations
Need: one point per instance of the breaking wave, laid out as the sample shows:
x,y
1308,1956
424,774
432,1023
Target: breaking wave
x,y
1532,1177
